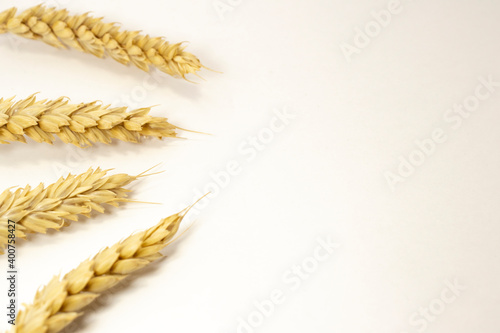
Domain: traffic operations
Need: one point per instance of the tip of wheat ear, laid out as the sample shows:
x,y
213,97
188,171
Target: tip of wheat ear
x,y
36,210
61,301
79,124
88,34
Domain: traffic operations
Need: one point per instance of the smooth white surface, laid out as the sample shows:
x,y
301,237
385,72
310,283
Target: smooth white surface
x,y
323,175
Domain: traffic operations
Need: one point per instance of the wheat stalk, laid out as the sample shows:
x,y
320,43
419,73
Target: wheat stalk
x,y
91,35
79,124
62,300
35,210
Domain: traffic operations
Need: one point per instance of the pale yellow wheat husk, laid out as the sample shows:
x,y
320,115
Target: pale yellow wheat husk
x,y
91,35
63,300
36,210
78,124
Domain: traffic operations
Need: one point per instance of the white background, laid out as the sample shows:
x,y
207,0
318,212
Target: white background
x,y
322,176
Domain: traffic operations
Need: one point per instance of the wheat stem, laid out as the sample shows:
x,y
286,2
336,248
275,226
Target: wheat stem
x,y
36,210
78,124
88,34
61,301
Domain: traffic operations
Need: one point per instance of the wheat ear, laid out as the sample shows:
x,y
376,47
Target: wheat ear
x,y
35,210
78,124
62,300
88,34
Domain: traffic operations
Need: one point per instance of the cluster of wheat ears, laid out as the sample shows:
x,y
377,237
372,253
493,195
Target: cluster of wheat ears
x,y
38,209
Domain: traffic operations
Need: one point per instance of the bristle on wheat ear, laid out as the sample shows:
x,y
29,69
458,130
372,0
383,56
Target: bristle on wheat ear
x,y
36,210
78,124
88,34
63,300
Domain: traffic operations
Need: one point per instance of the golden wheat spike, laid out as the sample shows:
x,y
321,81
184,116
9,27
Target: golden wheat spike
x,y
88,34
63,300
78,124
35,210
